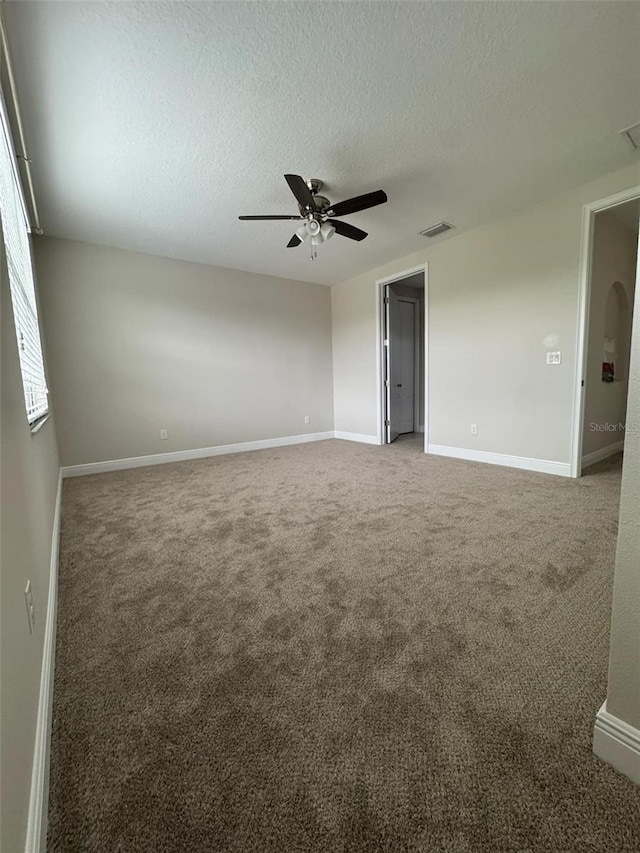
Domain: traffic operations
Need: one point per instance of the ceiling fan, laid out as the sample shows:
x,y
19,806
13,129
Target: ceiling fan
x,y
318,214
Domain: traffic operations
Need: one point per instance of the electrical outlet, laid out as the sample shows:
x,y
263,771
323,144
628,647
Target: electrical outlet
x,y
554,357
474,429
307,419
164,434
31,611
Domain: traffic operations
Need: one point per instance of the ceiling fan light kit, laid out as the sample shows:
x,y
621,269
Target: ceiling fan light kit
x,y
327,231
317,213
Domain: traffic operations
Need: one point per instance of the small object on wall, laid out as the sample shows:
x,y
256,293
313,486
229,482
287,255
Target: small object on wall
x,y
608,371
31,611
608,356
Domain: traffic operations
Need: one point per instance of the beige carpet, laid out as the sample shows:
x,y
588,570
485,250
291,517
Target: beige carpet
x,y
335,647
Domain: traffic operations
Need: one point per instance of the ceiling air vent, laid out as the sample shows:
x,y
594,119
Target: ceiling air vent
x,y
632,135
437,229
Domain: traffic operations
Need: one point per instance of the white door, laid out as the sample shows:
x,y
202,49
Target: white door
x,y
400,364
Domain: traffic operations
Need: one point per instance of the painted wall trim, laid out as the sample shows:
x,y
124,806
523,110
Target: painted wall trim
x,y
543,466
617,743
38,798
603,453
357,436
182,455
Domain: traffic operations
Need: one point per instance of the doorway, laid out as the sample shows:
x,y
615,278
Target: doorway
x,y
610,263
403,356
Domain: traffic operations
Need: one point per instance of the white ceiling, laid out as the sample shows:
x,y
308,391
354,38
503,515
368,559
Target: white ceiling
x,y
152,126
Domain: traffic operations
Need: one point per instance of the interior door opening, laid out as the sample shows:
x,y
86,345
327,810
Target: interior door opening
x,y
403,357
609,321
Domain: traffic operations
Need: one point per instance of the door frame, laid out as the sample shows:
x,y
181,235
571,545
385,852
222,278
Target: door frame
x,y
584,298
380,358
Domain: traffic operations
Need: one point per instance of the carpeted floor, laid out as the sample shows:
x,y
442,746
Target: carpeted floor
x,y
335,647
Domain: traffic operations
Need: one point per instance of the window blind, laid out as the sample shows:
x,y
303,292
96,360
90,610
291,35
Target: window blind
x,y
15,231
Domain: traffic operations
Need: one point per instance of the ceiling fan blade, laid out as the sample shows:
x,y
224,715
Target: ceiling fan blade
x,y
359,202
346,230
269,217
294,241
300,190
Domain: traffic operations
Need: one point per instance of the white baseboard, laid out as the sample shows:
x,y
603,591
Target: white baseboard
x,y
544,466
603,453
182,455
617,743
356,436
37,818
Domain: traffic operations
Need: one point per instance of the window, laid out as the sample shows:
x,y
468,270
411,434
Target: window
x,y
15,231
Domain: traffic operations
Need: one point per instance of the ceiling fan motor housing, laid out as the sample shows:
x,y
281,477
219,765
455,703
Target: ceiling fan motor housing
x,y
318,213
321,205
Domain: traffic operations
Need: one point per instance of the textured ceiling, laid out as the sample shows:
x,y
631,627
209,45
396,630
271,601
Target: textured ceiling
x,y
152,126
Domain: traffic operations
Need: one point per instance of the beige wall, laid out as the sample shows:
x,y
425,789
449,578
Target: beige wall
x,y
28,488
623,694
613,260
495,295
138,343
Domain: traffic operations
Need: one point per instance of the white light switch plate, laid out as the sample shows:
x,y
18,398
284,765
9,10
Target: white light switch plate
x,y
554,357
